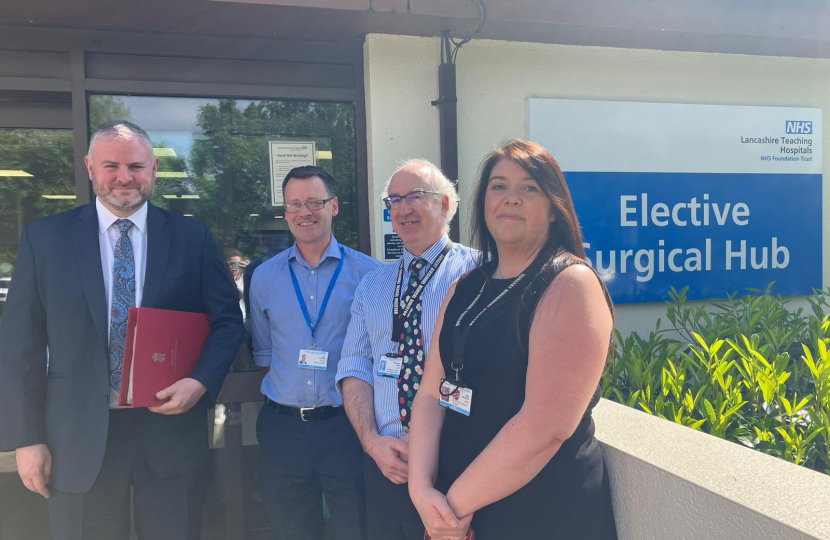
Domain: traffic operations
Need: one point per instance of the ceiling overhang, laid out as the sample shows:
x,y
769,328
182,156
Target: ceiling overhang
x,y
760,27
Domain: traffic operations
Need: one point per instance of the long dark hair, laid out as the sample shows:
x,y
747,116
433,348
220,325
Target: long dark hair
x,y
563,247
564,233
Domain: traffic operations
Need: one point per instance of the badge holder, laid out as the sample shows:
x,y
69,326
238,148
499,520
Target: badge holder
x,y
313,358
390,365
455,395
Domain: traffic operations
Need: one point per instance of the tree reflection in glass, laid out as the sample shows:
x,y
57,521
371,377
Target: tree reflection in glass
x,y
37,179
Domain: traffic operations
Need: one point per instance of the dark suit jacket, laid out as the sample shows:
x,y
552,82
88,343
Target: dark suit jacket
x,y
57,299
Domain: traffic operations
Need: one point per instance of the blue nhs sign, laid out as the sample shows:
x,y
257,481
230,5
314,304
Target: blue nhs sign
x,y
799,127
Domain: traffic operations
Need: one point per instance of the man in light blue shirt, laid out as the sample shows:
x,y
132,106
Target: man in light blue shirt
x,y
300,302
379,371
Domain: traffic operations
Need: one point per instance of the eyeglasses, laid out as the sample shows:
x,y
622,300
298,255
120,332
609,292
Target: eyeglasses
x,y
413,198
293,207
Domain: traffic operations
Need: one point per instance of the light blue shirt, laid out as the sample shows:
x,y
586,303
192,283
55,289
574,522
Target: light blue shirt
x,y
370,330
280,330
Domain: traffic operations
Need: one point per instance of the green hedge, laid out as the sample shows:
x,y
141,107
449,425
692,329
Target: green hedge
x,y
747,369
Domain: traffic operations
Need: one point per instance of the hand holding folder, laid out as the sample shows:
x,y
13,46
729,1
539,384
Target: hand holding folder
x,y
179,397
162,348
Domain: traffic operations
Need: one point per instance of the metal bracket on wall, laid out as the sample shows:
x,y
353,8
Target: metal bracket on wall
x,y
450,46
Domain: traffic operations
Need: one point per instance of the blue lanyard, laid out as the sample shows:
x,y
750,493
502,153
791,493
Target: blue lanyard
x,y
325,303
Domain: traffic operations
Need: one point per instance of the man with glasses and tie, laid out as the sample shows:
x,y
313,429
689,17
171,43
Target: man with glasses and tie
x,y
393,315
77,275
300,303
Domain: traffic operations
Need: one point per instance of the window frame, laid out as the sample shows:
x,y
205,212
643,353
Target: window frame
x,y
56,61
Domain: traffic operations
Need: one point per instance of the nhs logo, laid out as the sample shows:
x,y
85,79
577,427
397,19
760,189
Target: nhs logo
x,y
799,127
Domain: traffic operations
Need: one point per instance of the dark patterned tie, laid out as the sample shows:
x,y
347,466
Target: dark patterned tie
x,y
411,347
123,298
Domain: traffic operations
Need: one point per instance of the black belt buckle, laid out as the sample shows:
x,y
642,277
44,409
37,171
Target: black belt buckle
x,y
303,411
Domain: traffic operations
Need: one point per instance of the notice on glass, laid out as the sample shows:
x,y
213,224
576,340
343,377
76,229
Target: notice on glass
x,y
285,155
392,243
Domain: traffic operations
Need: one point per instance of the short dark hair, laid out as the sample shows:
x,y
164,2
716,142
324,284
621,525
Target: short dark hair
x,y
309,171
119,128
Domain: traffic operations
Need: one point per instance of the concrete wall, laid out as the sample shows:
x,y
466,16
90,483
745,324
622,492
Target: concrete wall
x,y
495,78
401,80
668,481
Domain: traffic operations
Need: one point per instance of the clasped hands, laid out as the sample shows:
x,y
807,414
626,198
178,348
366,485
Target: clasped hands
x,y
392,456
438,516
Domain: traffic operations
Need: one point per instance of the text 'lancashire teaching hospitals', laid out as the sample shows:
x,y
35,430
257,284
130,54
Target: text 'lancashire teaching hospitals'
x,y
801,148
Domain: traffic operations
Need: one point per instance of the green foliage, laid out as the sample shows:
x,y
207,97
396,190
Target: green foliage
x,y
105,108
744,369
229,160
228,167
46,155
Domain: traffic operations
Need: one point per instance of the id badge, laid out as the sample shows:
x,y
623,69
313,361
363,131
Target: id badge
x,y
390,366
313,359
460,400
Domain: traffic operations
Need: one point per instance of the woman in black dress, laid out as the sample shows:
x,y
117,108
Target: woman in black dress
x,y
502,439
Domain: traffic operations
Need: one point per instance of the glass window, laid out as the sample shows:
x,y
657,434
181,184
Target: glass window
x,y
37,179
214,166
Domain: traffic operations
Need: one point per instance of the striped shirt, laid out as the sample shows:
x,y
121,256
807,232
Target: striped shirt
x,y
370,329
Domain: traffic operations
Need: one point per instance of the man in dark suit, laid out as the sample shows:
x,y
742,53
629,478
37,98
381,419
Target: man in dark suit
x,y
62,341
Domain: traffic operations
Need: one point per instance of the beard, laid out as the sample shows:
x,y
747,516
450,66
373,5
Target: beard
x,y
123,203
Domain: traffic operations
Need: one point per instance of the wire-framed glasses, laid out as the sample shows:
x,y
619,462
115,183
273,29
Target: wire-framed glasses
x,y
314,204
413,198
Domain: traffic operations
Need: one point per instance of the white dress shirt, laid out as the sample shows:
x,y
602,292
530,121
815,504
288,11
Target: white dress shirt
x,y
108,234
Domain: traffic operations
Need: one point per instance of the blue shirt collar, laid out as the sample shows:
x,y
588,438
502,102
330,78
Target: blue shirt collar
x,y
430,254
332,251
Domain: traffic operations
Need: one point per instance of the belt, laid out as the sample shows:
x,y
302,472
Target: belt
x,y
306,414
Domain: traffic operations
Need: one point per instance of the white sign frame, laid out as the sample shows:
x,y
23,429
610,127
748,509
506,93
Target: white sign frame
x,y
284,156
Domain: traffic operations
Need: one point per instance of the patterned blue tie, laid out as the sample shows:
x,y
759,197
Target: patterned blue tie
x,y
123,298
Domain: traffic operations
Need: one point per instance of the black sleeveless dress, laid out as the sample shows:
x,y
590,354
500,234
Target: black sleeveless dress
x,y
570,497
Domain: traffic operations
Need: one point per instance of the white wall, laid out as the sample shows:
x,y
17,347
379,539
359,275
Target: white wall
x,y
401,80
495,78
668,481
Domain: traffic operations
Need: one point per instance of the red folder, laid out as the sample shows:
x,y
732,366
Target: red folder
x,y
161,347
